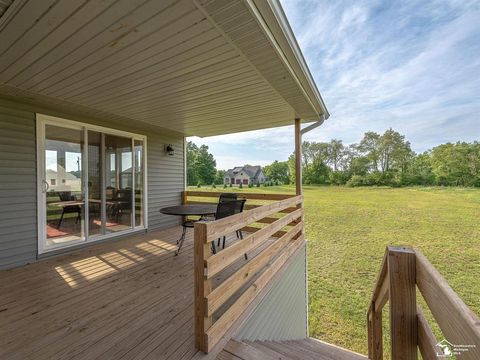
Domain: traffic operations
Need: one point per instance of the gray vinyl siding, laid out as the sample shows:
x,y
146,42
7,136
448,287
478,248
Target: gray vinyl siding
x,y
18,180
18,198
282,314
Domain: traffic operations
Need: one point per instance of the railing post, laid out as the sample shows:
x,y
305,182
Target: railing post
x,y
403,313
298,157
377,336
202,285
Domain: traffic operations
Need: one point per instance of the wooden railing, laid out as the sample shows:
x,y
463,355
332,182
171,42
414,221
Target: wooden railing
x,y
273,234
403,271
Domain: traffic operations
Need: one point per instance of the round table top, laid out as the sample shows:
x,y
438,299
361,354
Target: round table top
x,y
190,209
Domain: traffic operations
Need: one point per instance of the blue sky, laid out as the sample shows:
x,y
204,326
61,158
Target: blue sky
x,y
410,65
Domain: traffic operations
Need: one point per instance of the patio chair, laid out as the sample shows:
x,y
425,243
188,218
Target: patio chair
x,y
69,209
229,197
225,209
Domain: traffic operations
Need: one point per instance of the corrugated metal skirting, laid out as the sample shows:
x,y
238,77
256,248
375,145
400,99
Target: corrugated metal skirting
x,y
282,314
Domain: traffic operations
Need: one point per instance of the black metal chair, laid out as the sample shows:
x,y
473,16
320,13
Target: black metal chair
x,y
123,203
69,209
229,197
225,209
227,205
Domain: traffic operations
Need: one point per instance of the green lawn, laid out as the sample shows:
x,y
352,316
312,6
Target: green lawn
x,y
348,230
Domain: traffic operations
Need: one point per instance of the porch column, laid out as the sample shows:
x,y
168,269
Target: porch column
x,y
298,157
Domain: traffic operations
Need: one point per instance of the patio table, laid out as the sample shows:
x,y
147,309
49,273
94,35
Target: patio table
x,y
201,210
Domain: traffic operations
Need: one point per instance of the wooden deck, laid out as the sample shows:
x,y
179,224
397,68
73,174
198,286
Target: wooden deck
x,y
127,299
306,349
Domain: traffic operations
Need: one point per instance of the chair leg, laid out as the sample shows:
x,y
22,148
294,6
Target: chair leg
x,y
214,250
60,221
241,234
223,246
218,242
246,256
180,241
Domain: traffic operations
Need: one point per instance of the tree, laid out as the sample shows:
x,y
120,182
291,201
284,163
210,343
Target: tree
x,y
335,151
205,166
370,147
394,152
220,177
456,164
192,152
278,171
201,166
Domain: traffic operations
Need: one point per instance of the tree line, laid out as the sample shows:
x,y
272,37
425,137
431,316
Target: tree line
x,y
378,159
387,159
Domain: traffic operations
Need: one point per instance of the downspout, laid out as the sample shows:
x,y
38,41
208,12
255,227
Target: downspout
x,y
314,125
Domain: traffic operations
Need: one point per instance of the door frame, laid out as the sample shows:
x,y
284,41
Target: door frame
x,y
41,121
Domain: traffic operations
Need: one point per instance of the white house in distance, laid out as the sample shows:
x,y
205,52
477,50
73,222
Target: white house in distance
x,y
245,175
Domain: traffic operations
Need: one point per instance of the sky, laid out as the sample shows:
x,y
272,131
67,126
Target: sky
x,y
411,65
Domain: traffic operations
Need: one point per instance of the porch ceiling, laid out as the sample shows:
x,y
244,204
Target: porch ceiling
x,y
195,67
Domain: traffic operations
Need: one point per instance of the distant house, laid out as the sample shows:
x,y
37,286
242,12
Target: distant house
x,y
245,175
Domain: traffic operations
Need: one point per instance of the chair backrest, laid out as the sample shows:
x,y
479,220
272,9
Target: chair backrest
x,y
65,196
227,197
229,208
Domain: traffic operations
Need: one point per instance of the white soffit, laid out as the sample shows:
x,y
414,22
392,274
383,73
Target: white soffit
x,y
197,68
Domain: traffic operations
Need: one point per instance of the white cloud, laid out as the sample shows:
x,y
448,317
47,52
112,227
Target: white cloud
x,y
411,65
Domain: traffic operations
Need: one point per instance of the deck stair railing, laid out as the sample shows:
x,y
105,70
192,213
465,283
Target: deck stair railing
x,y
403,271
228,284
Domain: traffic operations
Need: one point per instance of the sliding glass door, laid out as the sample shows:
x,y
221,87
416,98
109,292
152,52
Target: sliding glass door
x,y
91,182
119,183
64,185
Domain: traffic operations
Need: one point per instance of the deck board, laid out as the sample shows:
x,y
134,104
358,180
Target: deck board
x,y
126,299
303,349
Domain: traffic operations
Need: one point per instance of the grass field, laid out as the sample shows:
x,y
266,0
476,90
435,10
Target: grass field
x,y
348,230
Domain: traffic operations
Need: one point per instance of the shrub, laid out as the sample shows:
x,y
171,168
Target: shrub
x,y
214,186
230,185
224,186
199,185
258,184
337,177
355,180
250,185
240,186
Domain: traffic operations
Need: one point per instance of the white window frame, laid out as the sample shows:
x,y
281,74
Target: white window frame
x,y
41,121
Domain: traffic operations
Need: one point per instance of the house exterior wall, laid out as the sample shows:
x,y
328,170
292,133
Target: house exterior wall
x,y
243,178
283,312
261,177
18,179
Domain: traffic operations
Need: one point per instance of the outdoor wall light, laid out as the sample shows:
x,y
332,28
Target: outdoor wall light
x,y
169,149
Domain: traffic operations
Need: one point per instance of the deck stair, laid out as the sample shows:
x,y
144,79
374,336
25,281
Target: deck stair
x,y
305,349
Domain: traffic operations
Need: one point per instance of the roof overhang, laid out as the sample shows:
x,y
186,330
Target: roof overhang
x,y
193,67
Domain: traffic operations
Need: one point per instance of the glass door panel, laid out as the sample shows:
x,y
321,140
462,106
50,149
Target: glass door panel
x,y
138,186
65,200
118,183
95,187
